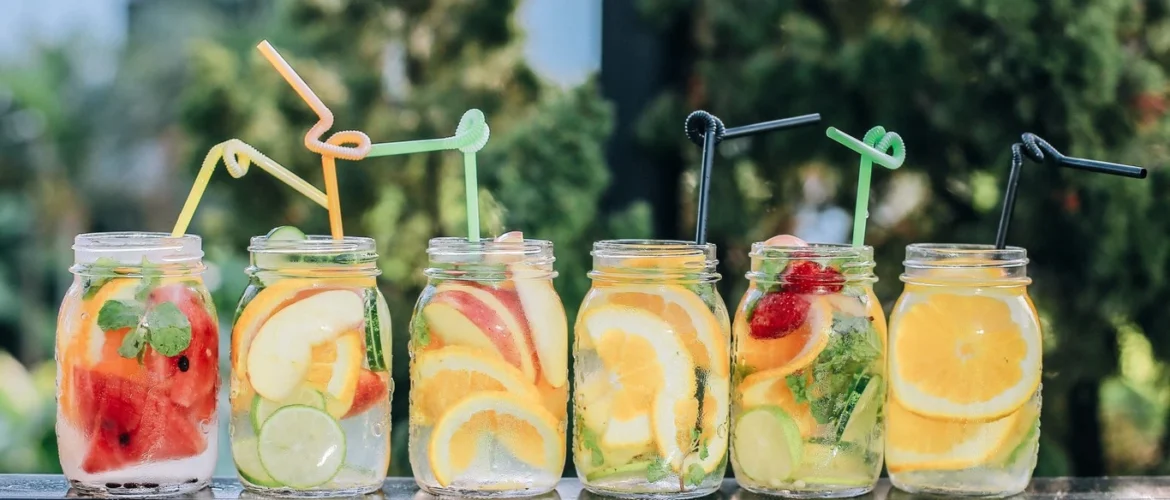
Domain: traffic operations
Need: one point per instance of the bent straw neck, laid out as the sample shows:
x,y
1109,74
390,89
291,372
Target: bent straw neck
x,y
872,150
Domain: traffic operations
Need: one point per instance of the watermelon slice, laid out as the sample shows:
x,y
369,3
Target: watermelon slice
x,y
191,378
129,423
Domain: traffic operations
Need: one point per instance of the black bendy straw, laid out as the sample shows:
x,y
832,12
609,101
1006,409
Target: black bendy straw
x,y
707,130
1038,150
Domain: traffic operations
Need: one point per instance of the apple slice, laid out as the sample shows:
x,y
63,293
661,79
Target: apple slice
x,y
466,315
282,350
547,324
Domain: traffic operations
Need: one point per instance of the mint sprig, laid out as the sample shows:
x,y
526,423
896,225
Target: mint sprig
x,y
657,470
837,371
119,314
589,442
163,326
100,272
169,331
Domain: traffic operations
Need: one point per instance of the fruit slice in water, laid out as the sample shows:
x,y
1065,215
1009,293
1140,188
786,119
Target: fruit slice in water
x,y
304,396
447,376
372,388
770,388
282,352
767,444
547,325
521,425
625,430
915,443
830,465
190,378
859,427
378,333
652,368
690,318
246,454
964,357
466,315
301,446
335,368
794,351
715,413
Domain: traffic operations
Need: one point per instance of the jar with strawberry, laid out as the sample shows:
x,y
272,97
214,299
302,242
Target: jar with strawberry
x,y
808,386
652,372
137,367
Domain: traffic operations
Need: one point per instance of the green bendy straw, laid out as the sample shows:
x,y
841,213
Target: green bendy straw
x,y
872,150
471,135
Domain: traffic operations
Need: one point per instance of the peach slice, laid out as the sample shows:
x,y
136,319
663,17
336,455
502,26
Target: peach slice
x,y
461,314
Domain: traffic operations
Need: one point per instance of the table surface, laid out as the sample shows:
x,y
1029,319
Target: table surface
x,y
37,486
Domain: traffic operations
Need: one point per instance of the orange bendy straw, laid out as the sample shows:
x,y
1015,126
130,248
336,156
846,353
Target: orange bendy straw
x,y
237,157
334,147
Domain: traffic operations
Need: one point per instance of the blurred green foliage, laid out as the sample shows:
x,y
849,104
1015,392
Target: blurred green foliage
x,y
958,80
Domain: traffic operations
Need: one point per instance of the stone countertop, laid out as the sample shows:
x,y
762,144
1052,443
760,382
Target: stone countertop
x,y
38,486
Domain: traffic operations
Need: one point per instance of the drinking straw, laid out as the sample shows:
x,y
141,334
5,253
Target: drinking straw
x,y
334,147
237,157
707,130
872,150
471,135
1038,150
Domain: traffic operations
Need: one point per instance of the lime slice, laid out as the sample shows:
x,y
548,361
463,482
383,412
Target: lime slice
x,y
377,331
863,415
264,408
825,464
247,458
767,444
301,446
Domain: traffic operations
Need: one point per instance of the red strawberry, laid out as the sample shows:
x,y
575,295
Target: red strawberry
x,y
809,277
778,314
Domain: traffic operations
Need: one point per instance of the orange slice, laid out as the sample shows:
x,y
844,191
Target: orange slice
x,y
915,443
448,375
793,351
964,357
335,369
770,388
690,319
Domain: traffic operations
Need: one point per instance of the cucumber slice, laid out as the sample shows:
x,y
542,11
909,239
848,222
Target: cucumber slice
x,y
825,464
247,458
863,414
378,332
286,233
767,443
301,446
264,408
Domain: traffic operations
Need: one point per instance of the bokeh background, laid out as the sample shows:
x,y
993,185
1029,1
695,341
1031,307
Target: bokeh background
x,y
108,107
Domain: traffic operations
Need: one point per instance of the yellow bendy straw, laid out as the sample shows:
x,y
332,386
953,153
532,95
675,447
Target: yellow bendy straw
x,y
237,157
334,147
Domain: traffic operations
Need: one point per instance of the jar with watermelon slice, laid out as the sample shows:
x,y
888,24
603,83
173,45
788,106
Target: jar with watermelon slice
x,y
137,367
310,355
809,384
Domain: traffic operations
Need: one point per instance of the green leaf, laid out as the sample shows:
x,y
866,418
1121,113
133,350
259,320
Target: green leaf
x,y
798,384
133,344
419,331
98,274
151,276
589,442
170,331
657,470
703,452
695,475
118,314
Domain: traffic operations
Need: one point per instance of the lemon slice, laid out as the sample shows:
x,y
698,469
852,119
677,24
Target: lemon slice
x,y
916,443
446,376
794,351
770,388
301,447
629,429
523,426
964,357
335,369
652,368
690,318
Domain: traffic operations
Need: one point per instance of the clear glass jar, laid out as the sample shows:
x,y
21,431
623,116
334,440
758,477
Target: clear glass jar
x,y
809,387
652,372
488,371
137,367
965,365
310,381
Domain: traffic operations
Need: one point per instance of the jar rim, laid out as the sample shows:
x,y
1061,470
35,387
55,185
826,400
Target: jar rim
x,y
962,256
132,247
312,244
651,248
814,250
452,246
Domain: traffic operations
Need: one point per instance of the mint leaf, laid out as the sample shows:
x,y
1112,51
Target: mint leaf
x,y
703,453
100,272
118,314
151,276
695,475
589,442
657,470
798,384
170,331
419,331
133,344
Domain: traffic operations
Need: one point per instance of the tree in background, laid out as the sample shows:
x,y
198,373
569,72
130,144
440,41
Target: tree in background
x,y
959,81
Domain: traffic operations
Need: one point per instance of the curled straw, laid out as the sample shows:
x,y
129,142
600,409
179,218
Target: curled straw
x,y
237,157
471,135
707,130
334,147
872,149
1038,150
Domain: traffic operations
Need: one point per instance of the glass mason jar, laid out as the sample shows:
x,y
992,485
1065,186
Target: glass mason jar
x,y
651,362
137,367
809,387
965,364
488,370
311,356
